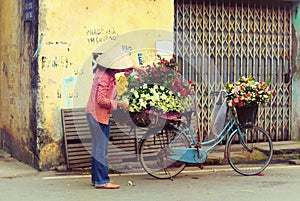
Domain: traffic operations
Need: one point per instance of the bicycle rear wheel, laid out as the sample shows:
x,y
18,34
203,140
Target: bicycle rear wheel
x,y
154,151
251,154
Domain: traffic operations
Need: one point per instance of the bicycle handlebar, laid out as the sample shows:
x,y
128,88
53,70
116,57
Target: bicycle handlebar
x,y
188,112
227,95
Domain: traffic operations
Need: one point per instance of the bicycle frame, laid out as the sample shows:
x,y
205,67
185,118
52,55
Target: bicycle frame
x,y
195,153
165,152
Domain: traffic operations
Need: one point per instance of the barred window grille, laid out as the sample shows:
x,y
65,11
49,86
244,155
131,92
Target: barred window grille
x,y
218,41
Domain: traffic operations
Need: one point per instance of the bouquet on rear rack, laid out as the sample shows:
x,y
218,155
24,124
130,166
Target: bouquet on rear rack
x,y
161,91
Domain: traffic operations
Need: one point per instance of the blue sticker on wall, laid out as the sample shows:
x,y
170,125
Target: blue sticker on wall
x,y
28,10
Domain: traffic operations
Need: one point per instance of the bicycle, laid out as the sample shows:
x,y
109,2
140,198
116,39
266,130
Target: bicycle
x,y
164,153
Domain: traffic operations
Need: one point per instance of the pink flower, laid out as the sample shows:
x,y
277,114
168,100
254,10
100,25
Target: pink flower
x,y
184,92
236,100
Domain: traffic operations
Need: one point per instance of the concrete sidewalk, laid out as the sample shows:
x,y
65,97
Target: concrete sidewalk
x,y
284,152
10,167
20,182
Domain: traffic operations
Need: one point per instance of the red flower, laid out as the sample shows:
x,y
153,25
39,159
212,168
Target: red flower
x,y
175,89
241,104
184,92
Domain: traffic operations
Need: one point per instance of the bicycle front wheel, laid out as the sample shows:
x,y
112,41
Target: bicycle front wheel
x,y
251,153
155,149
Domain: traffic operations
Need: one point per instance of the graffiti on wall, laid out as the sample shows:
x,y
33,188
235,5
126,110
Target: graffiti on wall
x,y
62,63
55,62
100,34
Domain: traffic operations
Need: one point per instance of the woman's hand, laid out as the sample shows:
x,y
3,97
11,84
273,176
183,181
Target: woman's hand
x,y
124,105
140,69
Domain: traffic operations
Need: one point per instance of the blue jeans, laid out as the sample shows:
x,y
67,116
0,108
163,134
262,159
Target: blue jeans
x,y
99,159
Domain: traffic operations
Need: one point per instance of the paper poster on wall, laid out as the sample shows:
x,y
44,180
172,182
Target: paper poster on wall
x,y
164,47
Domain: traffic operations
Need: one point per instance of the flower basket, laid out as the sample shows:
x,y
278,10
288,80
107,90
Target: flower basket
x,y
157,97
140,119
120,116
247,90
146,117
247,114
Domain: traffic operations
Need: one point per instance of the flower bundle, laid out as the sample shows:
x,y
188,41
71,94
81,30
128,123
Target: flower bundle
x,y
155,97
164,73
247,90
161,89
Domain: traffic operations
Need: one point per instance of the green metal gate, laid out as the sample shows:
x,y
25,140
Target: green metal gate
x,y
218,41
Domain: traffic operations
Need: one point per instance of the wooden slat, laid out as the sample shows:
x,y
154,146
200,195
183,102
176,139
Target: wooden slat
x,y
77,140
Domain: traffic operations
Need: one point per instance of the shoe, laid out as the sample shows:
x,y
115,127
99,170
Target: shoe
x,y
109,186
93,184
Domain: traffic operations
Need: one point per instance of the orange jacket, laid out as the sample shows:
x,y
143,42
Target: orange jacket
x,y
103,93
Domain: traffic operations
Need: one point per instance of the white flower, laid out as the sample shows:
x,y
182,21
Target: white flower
x,y
136,94
143,103
156,97
164,97
152,90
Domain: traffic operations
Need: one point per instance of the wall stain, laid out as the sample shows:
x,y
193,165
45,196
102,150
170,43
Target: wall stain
x,y
4,69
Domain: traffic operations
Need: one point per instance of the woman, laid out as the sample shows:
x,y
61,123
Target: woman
x,y
100,104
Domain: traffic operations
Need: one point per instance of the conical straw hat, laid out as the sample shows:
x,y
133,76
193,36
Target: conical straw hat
x,y
115,58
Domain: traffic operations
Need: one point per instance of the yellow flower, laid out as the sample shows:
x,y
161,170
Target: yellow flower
x,y
122,83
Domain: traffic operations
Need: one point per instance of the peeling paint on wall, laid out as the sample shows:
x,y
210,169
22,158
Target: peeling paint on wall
x,y
16,44
50,156
4,69
68,91
68,35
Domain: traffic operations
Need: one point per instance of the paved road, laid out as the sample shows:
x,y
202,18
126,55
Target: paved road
x,y
219,183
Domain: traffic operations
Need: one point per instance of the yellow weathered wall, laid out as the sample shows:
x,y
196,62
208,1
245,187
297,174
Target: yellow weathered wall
x,y
70,31
15,99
